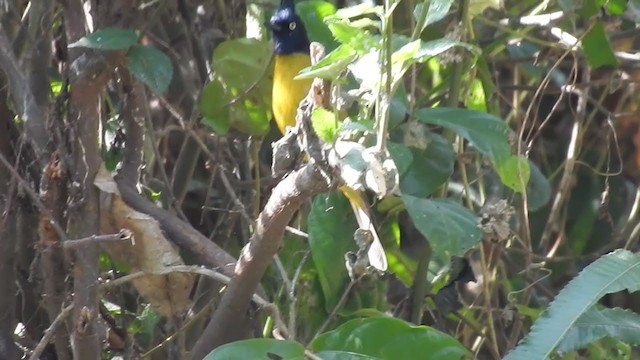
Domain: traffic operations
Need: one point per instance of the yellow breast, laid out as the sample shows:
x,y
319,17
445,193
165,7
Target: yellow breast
x,y
287,93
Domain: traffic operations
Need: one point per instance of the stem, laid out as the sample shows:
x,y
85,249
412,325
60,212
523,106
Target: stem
x,y
385,95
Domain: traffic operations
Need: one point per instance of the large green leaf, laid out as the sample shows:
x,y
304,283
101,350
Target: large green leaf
x,y
486,132
450,228
258,349
108,39
331,227
240,94
597,48
595,324
151,66
389,338
616,271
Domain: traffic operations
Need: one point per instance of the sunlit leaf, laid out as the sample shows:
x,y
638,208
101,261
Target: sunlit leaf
x,y
312,13
389,338
514,172
331,66
325,124
597,48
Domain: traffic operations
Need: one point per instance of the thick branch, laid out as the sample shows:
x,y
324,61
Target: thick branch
x,y
285,200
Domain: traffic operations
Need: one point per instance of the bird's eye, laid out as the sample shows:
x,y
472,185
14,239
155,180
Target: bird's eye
x,y
292,26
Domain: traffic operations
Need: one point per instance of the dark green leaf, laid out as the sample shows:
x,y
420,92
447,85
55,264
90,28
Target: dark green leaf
x,y
331,227
432,159
402,156
450,228
616,271
108,39
484,131
597,48
389,338
257,349
438,9
151,66
538,189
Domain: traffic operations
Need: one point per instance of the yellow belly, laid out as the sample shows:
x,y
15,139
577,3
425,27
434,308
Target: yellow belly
x,y
287,93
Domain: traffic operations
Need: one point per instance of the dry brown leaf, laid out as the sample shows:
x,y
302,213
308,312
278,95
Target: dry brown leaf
x,y
149,251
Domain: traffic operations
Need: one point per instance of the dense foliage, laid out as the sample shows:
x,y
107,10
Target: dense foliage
x,y
151,209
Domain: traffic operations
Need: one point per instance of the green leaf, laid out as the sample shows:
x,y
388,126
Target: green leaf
x,y
538,189
331,66
213,101
220,125
597,48
595,324
438,9
616,271
343,355
258,349
331,227
450,228
429,49
325,124
431,163
108,39
389,338
476,98
240,66
514,172
484,131
401,156
312,13
151,66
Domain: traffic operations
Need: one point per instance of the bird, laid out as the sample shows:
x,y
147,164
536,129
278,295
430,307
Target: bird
x,y
291,52
291,48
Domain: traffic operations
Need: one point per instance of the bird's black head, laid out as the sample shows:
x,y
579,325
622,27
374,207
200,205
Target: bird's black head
x,y
289,34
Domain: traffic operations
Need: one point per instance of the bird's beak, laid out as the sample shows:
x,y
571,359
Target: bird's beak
x,y
274,27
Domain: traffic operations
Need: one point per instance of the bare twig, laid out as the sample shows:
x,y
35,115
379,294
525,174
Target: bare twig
x,y
42,344
123,235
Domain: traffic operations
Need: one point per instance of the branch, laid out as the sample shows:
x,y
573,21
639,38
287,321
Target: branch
x,y
30,113
286,199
